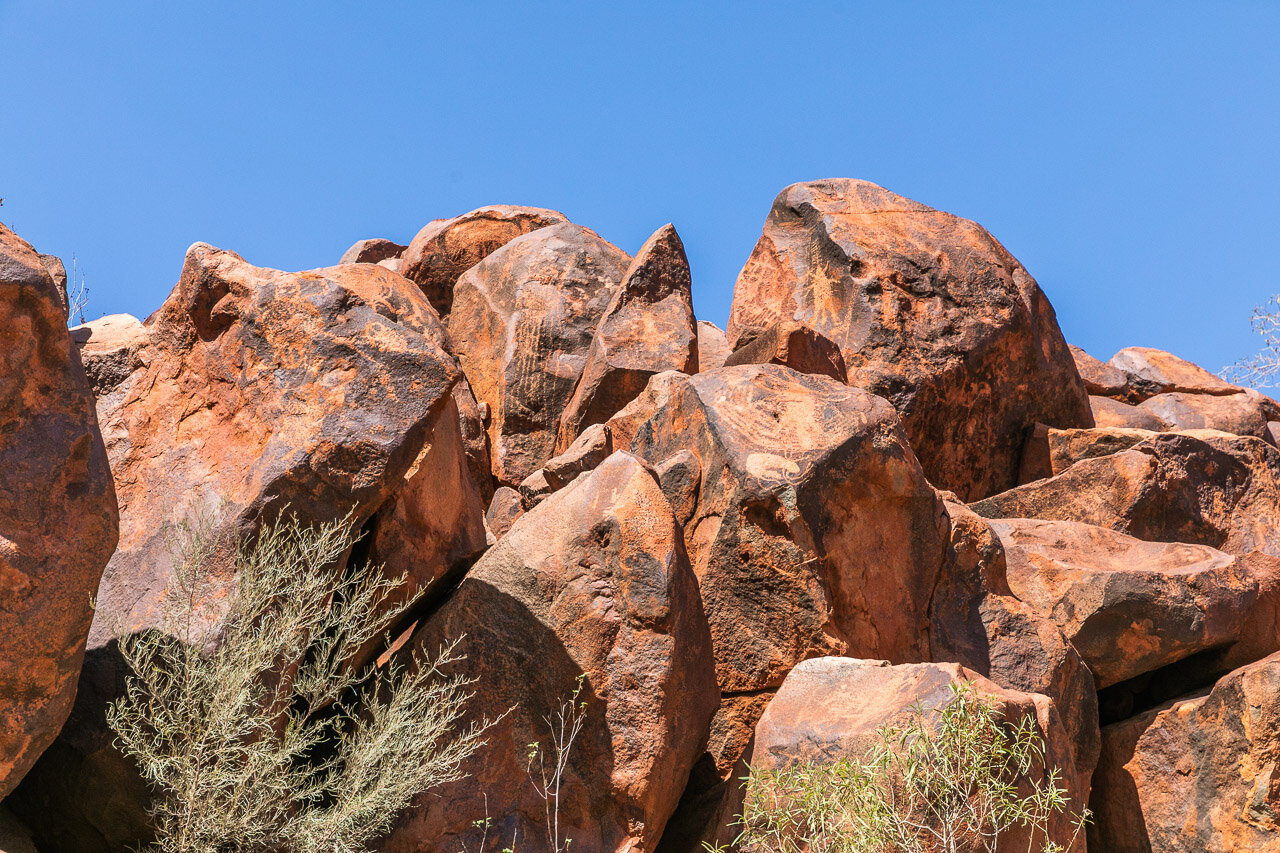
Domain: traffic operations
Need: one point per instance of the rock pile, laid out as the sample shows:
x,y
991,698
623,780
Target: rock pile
x,y
757,546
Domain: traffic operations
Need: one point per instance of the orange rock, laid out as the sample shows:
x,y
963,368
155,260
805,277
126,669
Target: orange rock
x,y
815,530
1152,371
929,311
446,248
594,581
795,345
1244,413
57,506
713,346
111,348
647,329
1128,606
1100,379
1113,413
833,707
372,251
1197,774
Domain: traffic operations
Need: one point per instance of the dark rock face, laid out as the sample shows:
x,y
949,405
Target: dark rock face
x,y
58,517
522,323
929,311
648,328
814,530
446,248
795,345
593,583
372,251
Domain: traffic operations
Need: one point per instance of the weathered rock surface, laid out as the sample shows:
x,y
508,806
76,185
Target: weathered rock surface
x,y
593,582
523,321
1128,606
713,346
58,272
111,348
1220,491
815,530
929,311
1197,775
591,448
505,507
372,251
58,518
446,248
325,392
1242,414
1113,413
648,328
794,345
1099,378
1151,371
832,707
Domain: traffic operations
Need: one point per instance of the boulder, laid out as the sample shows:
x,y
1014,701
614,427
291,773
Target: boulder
x,y
58,517
713,346
505,507
930,312
1113,413
591,448
1197,775
647,329
815,530
523,321
592,584
1128,606
1152,371
795,345
1220,491
111,349
834,707
1242,414
58,272
372,251
473,420
324,392
1100,379
446,248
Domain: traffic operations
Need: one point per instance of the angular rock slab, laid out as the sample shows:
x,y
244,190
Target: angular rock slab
x,y
593,581
1151,371
929,311
523,321
1099,379
832,707
713,346
647,329
814,532
58,517
446,248
1244,413
1108,413
1220,491
1128,606
1197,775
372,251
795,345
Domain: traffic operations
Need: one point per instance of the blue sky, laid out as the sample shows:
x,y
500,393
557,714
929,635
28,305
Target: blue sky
x,y
1127,153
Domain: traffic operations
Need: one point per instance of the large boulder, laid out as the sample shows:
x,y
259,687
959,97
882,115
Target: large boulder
x,y
1151,371
648,328
523,321
1197,775
795,345
1099,379
111,349
1244,413
1205,489
929,311
815,530
834,707
446,248
1128,606
323,394
713,346
593,583
1114,413
372,251
58,518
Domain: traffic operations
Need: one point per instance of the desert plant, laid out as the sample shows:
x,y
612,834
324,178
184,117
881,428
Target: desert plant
x,y
247,716
952,780
1262,369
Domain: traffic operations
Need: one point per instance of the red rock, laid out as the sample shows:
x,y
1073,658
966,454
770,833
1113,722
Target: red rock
x,y
647,329
1152,371
1113,413
446,248
522,323
1197,774
57,505
111,348
473,417
372,251
58,272
1128,606
1242,413
1220,491
929,311
326,392
1100,379
593,581
503,511
815,530
713,346
794,345
591,448
833,707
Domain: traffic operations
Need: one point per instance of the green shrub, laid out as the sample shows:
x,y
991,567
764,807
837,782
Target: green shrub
x,y
954,779
246,715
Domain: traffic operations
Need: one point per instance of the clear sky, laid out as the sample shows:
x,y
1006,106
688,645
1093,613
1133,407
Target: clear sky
x,y
1127,153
